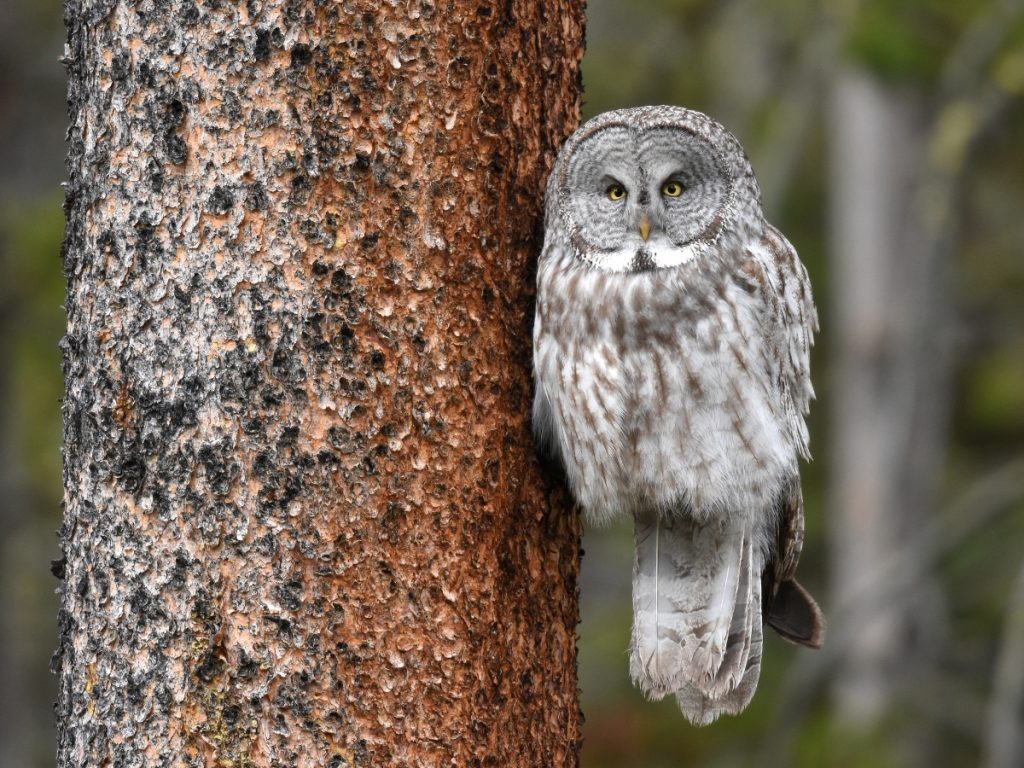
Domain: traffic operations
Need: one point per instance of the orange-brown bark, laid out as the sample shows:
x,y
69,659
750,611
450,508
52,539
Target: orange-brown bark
x,y
304,522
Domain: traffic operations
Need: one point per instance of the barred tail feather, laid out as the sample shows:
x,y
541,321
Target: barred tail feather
x,y
686,581
699,706
697,624
745,614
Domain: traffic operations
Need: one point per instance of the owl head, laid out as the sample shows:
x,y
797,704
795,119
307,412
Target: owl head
x,y
651,187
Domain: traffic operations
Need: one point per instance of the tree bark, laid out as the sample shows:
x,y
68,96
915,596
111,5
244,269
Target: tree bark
x,y
304,524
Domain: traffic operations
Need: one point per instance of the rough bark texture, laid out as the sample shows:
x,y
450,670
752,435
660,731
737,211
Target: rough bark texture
x,y
304,523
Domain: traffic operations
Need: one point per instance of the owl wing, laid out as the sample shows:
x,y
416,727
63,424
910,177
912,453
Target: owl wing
x,y
791,322
788,607
545,430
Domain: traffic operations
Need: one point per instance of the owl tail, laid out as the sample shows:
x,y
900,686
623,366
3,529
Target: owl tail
x,y
696,614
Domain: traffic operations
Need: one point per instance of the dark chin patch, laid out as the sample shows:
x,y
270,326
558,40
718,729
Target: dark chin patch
x,y
642,261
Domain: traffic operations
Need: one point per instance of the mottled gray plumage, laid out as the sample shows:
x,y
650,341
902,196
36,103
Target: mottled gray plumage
x,y
671,358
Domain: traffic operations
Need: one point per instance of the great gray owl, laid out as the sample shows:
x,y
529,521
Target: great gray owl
x,y
671,362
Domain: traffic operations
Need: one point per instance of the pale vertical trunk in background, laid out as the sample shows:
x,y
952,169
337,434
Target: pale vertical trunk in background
x,y
890,386
1004,741
304,522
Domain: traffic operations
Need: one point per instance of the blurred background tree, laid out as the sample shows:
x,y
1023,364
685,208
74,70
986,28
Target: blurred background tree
x,y
32,125
886,137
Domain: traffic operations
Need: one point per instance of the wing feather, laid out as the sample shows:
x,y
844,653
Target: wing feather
x,y
792,322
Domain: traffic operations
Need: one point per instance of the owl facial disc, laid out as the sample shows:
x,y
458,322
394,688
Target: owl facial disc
x,y
651,188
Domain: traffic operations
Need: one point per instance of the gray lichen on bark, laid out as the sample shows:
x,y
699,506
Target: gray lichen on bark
x,y
303,523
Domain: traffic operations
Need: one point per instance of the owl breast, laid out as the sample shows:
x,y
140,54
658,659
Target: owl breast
x,y
659,391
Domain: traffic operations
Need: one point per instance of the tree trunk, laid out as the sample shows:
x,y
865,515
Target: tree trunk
x,y
304,524
891,386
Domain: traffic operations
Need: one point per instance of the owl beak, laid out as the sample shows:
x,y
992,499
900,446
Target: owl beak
x,y
645,227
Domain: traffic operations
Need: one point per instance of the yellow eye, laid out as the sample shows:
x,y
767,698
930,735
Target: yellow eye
x,y
672,189
616,191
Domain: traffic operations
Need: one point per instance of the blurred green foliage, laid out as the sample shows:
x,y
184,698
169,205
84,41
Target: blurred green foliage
x,y
35,287
995,392
40,19
31,325
909,40
763,69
